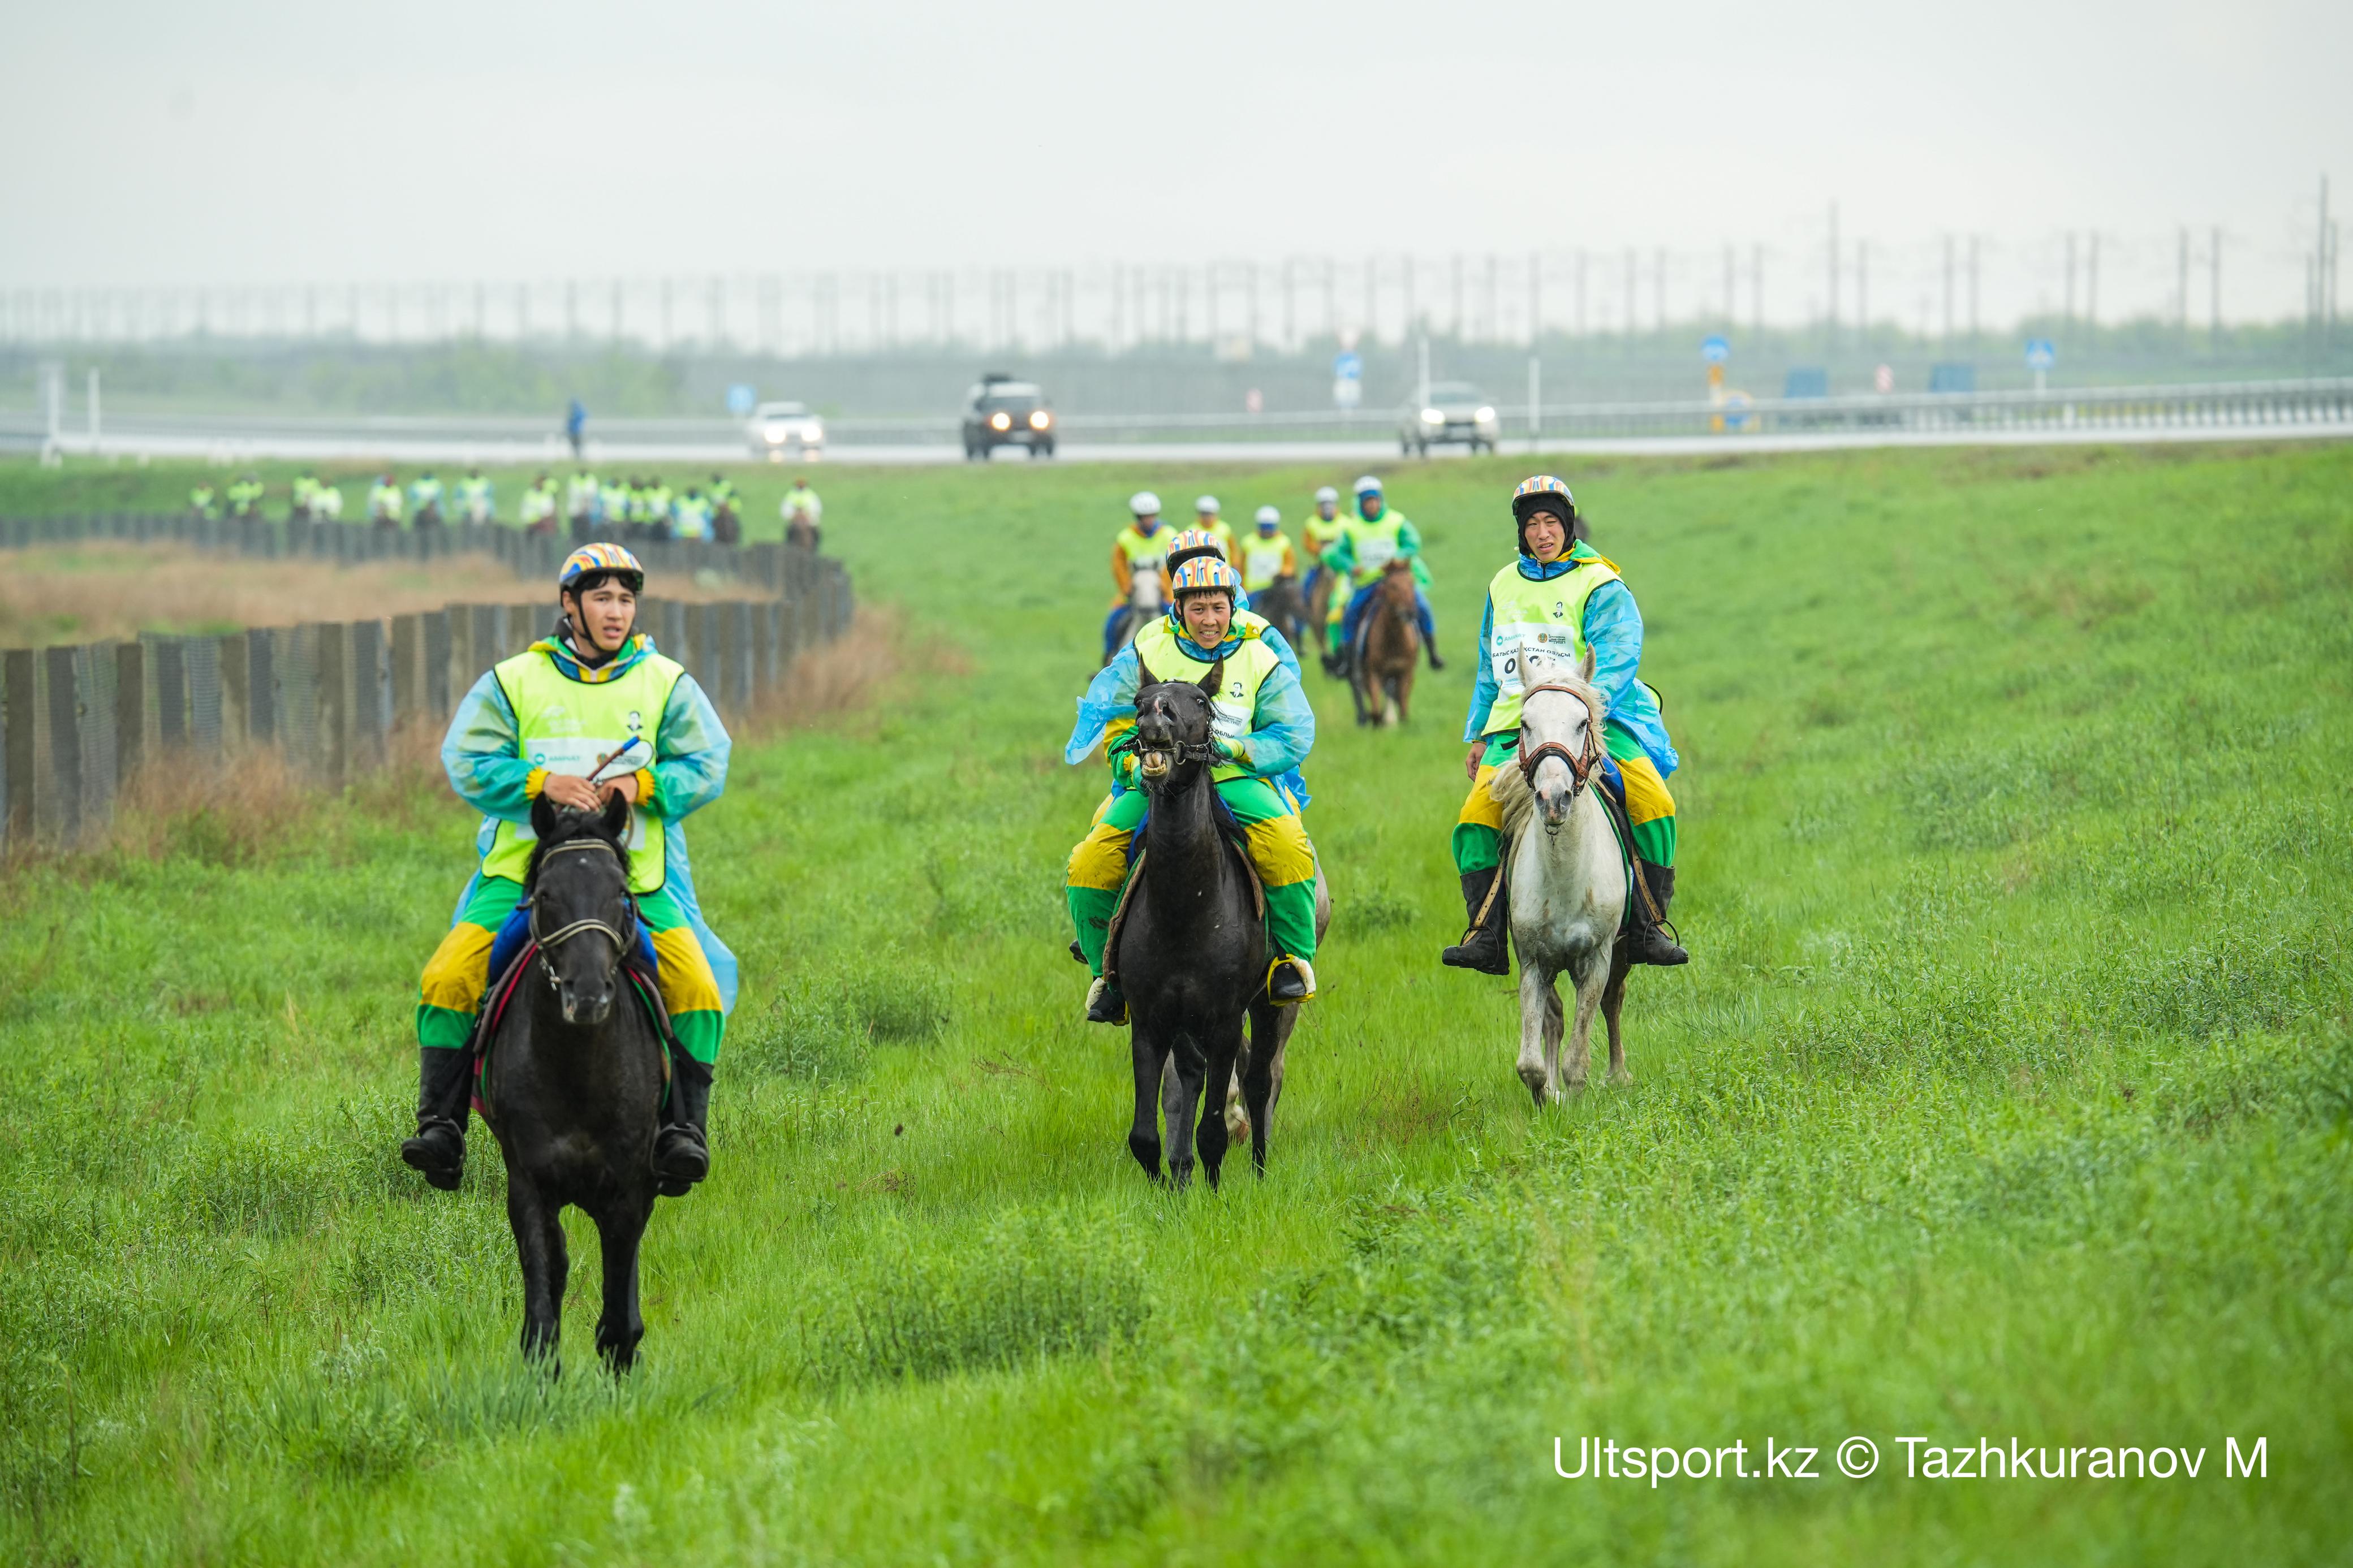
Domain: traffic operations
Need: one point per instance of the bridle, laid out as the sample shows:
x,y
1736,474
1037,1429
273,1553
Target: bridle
x,y
1580,765
548,943
1184,751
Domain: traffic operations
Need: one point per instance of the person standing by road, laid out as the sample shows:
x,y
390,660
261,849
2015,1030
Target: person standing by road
x,y
576,430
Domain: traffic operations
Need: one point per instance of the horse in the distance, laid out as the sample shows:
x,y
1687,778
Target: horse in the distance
x,y
1189,946
1145,600
1285,610
573,1077
1319,611
1565,876
803,533
1389,647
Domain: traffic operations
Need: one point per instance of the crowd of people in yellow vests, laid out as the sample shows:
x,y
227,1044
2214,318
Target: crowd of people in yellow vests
x,y
636,508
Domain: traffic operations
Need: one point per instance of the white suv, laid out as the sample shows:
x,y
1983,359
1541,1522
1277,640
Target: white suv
x,y
775,427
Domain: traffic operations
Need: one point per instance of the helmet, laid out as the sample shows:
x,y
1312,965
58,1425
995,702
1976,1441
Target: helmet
x,y
1367,485
1269,518
1207,506
1144,503
1205,573
1326,493
597,562
1190,544
1544,492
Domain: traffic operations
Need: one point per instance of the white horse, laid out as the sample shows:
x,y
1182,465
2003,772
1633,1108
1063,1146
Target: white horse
x,y
1566,884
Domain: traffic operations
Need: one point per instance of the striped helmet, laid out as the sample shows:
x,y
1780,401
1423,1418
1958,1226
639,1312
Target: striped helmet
x,y
1543,492
1193,544
601,560
1205,573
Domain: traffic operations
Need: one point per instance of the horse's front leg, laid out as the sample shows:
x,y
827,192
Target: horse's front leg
x,y
1185,1106
1261,1071
1144,1137
1212,1139
1613,998
1536,998
1589,976
539,1248
621,1229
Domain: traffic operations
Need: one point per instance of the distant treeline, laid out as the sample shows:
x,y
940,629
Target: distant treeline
x,y
198,374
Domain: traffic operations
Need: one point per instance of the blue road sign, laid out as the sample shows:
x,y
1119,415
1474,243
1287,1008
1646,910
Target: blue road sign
x,y
2039,354
1713,349
742,399
1348,367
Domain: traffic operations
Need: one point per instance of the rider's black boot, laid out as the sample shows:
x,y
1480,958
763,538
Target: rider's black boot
x,y
682,1150
1647,941
1290,981
438,1150
1106,1002
1484,946
1435,662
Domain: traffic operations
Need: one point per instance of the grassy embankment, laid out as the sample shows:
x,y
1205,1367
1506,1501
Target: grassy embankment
x,y
2008,1096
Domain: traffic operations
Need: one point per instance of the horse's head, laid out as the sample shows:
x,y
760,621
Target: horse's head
x,y
1172,725
581,914
1397,584
1560,731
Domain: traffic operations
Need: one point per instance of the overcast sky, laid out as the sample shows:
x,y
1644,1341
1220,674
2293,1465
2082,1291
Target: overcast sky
x,y
166,142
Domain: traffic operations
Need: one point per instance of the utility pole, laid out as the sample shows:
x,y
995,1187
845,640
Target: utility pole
x,y
1831,320
1580,294
1728,303
2214,291
2181,290
1629,334
2092,282
1757,288
2068,316
1659,287
1973,292
1536,298
1948,292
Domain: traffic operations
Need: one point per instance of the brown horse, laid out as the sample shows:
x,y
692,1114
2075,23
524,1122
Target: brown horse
x,y
1389,646
801,533
1319,608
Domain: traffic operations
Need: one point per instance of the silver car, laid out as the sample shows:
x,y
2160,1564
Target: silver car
x,y
776,428
1456,412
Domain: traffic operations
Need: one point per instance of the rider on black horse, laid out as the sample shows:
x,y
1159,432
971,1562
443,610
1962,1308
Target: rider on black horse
x,y
1263,730
586,714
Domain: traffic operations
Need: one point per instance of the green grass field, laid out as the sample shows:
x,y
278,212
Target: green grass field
x,y
2009,1096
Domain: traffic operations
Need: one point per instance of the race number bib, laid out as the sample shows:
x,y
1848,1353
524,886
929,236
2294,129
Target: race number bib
x,y
1518,647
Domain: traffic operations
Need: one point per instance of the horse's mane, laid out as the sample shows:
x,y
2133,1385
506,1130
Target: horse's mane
x,y
1510,788
575,826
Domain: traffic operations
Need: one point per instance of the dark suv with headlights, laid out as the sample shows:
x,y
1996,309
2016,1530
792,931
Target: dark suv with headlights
x,y
1003,412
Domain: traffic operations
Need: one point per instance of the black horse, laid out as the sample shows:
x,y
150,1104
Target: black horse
x,y
573,1084
1195,944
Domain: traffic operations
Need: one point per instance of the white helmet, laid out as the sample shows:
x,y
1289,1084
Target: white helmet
x,y
1367,486
1326,493
1269,518
1207,506
1144,503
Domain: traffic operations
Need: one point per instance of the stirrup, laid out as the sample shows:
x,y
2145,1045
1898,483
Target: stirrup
x,y
1106,1003
1290,981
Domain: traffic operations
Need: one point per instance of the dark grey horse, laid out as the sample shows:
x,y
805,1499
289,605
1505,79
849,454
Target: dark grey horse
x,y
574,1089
1190,951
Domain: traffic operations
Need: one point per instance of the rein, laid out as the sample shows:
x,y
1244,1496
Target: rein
x,y
1580,765
548,943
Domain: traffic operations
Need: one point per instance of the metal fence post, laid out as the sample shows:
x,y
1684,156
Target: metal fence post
x,y
367,727
261,701
234,655
171,684
435,632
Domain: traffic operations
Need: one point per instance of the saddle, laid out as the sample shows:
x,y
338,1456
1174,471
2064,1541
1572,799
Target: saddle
x,y
1230,830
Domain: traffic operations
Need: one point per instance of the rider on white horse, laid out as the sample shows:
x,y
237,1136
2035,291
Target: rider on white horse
x,y
1561,599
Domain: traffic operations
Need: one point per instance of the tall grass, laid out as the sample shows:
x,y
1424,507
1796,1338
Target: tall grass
x,y
2008,1094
